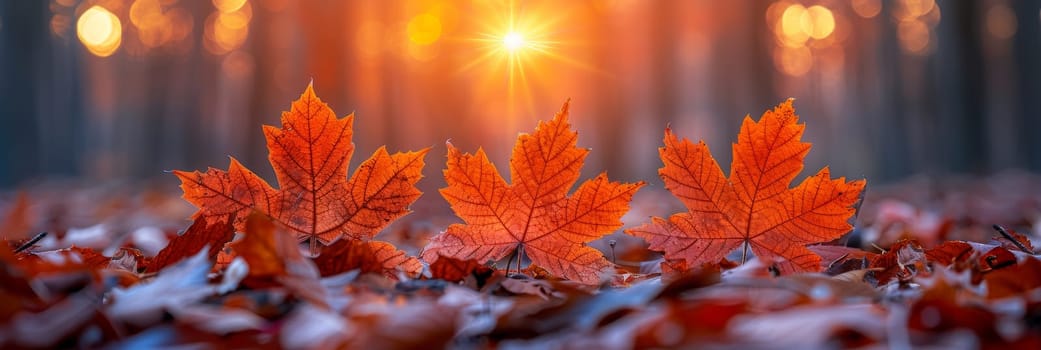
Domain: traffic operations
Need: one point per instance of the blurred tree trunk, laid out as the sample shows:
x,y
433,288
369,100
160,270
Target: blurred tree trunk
x,y
25,49
1027,58
964,145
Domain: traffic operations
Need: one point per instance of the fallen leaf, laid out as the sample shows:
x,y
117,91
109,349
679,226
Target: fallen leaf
x,y
902,261
367,256
455,270
950,253
315,200
943,308
1022,279
754,206
808,327
61,261
268,253
534,215
175,287
408,326
50,327
205,230
274,258
839,259
1012,240
688,322
309,327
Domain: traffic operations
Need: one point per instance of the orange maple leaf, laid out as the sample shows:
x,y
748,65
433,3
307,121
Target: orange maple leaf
x,y
754,207
534,215
316,201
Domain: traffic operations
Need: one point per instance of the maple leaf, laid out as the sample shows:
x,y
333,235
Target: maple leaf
x,y
754,206
534,215
315,200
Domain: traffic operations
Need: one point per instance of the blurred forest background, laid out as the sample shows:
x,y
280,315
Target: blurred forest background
x,y
125,89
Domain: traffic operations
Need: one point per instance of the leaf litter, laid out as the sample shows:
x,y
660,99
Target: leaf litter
x,y
917,270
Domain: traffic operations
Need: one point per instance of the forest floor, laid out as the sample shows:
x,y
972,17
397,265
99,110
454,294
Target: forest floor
x,y
925,266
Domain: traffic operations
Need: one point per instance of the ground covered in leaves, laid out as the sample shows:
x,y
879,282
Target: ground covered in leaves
x,y
743,260
924,267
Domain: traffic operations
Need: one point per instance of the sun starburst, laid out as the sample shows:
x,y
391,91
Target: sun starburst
x,y
518,47
513,42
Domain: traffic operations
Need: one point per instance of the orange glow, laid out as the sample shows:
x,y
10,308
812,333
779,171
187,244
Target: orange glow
x,y
867,8
100,31
424,29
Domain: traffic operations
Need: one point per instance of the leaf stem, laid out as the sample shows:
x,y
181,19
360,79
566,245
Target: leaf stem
x,y
520,254
515,255
744,252
1009,237
31,242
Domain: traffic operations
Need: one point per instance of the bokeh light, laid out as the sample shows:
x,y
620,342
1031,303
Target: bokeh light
x,y
100,31
817,22
915,22
424,29
227,29
791,30
867,8
60,24
1001,21
914,36
228,6
794,61
799,32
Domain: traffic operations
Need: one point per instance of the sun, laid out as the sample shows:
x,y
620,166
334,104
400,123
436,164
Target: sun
x,y
517,49
513,42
